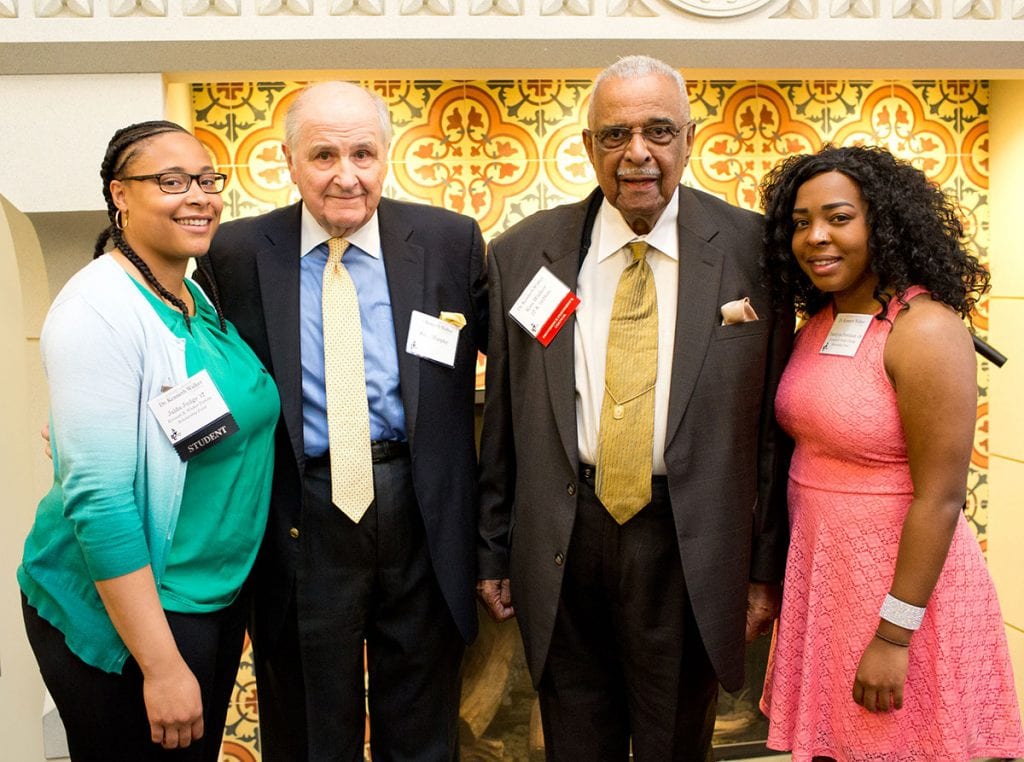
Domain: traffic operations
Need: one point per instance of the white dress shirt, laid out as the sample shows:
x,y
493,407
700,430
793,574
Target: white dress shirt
x,y
595,286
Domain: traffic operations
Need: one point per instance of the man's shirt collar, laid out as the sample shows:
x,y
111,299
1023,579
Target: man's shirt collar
x,y
366,238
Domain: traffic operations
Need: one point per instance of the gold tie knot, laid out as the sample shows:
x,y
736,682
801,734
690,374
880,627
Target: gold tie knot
x,y
638,249
336,248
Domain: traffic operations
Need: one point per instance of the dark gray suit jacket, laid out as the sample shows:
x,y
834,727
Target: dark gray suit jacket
x,y
726,458
434,261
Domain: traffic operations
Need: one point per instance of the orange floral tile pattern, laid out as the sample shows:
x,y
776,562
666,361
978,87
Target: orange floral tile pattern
x,y
466,156
501,149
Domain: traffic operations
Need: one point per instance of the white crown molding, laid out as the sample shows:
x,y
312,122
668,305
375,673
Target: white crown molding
x,y
921,9
287,7
503,7
430,7
978,9
365,7
862,9
130,7
797,9
565,7
51,8
630,8
169,36
211,7
504,20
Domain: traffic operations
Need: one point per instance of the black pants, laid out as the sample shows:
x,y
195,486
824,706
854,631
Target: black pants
x,y
371,581
104,713
626,663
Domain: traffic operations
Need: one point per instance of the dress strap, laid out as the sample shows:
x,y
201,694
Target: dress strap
x,y
898,304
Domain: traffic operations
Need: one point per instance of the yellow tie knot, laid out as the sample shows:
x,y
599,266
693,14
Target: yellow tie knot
x,y
638,249
336,248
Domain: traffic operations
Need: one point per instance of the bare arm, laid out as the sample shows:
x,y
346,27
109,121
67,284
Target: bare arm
x,y
930,360
171,692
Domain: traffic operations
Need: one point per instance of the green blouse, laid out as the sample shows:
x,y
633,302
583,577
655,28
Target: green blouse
x,y
225,500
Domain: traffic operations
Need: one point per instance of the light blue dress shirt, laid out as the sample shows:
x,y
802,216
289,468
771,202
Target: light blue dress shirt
x,y
380,350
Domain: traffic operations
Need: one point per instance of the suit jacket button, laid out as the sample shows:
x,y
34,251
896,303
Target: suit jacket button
x,y
293,533
570,488
559,559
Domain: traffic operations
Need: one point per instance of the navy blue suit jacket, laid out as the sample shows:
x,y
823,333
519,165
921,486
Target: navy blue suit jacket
x,y
434,261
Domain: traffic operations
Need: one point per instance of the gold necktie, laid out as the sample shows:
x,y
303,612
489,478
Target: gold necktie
x,y
348,417
626,432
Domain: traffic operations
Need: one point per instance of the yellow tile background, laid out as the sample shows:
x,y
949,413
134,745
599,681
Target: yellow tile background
x,y
500,149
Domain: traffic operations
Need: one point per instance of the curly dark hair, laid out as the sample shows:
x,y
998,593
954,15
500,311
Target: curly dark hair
x,y
122,148
915,234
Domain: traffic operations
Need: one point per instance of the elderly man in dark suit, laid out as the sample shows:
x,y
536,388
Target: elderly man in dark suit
x,y
632,512
399,570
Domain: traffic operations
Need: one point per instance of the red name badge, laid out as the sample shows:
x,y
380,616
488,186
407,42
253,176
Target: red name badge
x,y
544,306
554,324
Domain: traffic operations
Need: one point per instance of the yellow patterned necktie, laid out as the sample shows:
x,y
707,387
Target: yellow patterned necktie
x,y
348,416
626,431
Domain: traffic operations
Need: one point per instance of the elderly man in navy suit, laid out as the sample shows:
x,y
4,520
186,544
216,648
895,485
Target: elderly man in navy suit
x,y
401,576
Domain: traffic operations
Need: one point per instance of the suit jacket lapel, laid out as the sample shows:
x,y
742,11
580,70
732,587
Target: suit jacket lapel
x,y
277,268
404,262
700,274
562,258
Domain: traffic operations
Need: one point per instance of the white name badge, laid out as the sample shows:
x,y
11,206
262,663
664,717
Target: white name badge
x,y
432,339
846,335
544,306
193,415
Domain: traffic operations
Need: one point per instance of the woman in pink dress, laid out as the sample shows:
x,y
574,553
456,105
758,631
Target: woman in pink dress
x,y
890,646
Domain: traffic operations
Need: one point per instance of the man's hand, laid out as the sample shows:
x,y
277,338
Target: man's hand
x,y
45,434
763,601
496,597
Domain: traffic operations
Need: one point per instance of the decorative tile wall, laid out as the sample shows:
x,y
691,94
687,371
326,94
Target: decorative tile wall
x,y
500,149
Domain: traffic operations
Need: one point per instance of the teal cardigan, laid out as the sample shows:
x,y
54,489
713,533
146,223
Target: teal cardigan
x,y
118,482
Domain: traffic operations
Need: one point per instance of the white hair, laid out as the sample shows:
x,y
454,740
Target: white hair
x,y
293,119
634,67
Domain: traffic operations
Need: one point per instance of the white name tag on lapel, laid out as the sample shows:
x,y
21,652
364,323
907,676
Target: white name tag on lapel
x,y
193,415
432,339
846,335
544,306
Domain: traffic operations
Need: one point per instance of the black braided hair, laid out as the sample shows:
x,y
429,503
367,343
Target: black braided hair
x,y
122,148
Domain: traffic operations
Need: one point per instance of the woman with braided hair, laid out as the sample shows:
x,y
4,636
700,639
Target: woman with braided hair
x,y
162,425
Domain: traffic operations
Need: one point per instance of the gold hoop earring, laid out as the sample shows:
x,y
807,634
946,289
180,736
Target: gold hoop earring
x,y
121,219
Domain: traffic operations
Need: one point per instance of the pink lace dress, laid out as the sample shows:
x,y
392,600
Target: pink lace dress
x,y
849,490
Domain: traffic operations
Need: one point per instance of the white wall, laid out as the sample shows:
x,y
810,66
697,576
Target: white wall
x,y
54,130
24,473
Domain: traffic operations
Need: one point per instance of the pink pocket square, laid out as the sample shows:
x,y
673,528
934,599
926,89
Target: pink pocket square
x,y
738,311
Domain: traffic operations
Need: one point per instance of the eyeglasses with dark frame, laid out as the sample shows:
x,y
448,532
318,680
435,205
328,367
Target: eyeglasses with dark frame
x,y
181,182
659,134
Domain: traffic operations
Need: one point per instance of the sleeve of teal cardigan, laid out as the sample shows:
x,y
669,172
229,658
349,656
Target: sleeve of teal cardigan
x,y
94,370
